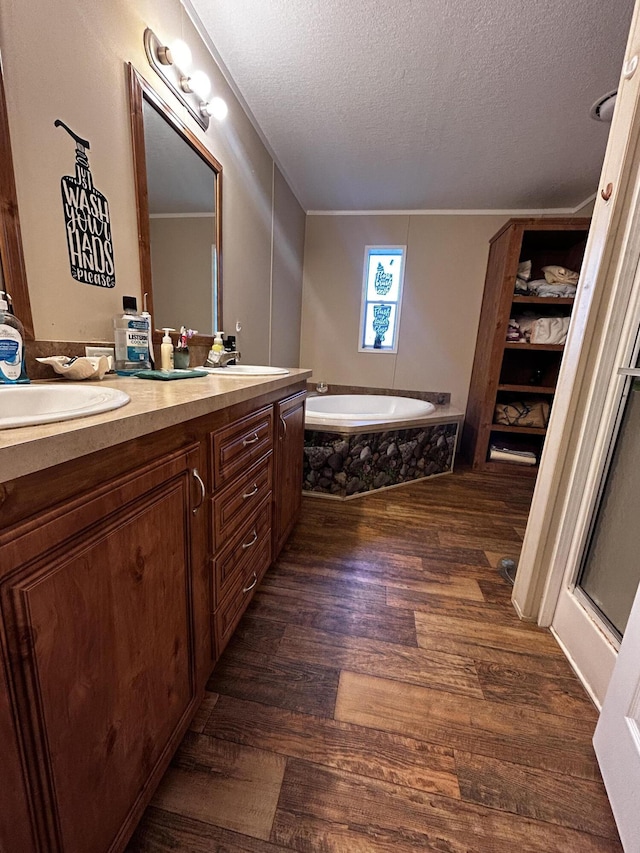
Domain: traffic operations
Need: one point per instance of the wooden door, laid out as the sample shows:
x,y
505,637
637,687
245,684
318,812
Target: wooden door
x,y
289,449
99,631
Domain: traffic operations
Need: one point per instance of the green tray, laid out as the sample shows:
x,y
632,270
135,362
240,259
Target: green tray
x,y
166,375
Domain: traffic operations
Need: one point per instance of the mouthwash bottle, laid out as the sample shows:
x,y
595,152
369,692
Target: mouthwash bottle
x,y
11,344
131,333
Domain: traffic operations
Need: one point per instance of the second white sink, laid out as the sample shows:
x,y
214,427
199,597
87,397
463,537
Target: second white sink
x,y
27,405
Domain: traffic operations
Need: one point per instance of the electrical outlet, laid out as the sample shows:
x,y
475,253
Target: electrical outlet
x,y
96,352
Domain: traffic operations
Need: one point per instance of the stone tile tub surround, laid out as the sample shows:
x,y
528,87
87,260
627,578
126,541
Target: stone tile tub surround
x,y
347,462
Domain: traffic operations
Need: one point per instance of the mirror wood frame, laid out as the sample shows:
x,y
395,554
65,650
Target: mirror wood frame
x,y
139,91
11,256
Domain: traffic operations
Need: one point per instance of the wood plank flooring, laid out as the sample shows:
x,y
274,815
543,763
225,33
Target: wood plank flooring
x,y
381,695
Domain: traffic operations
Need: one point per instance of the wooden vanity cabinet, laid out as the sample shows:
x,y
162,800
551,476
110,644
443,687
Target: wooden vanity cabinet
x,y
123,574
289,450
242,464
97,610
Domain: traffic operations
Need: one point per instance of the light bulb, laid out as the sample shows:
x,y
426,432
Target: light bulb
x,y
200,84
216,108
181,54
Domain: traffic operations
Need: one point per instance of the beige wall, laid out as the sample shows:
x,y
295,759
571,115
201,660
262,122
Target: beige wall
x,y
286,300
443,286
66,59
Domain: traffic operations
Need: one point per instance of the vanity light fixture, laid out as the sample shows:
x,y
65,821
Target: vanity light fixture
x,y
172,64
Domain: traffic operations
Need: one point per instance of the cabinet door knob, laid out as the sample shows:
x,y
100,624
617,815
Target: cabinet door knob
x,y
203,490
284,428
607,192
247,441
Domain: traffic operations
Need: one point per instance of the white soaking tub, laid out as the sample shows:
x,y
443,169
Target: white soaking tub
x,y
342,410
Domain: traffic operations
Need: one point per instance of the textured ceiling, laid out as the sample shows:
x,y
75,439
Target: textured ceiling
x,y
426,104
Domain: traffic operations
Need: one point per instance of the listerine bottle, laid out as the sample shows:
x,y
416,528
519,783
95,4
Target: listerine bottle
x,y
12,368
131,334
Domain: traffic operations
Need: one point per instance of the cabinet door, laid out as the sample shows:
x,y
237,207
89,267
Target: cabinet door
x,y
99,628
289,450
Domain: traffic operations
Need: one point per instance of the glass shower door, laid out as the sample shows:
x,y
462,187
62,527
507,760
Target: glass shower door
x,y
610,571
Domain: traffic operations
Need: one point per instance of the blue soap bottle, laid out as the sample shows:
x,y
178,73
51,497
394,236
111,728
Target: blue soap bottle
x,y
12,369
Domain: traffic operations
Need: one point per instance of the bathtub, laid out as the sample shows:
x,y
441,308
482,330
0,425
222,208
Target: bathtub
x,y
359,443
358,409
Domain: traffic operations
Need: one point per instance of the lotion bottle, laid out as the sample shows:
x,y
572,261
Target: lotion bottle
x,y
11,344
166,350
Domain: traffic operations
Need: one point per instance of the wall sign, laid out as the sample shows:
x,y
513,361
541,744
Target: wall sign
x,y
87,222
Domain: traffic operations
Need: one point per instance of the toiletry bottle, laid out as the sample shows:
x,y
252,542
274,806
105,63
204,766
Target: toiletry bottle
x,y
218,344
11,344
166,350
131,333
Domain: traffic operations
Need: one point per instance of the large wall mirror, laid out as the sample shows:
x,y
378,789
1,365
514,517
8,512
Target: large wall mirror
x,y
179,194
13,277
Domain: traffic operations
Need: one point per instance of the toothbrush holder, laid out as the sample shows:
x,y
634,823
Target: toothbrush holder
x,y
181,358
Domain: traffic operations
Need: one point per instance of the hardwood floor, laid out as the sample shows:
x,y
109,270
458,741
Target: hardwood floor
x,y
381,695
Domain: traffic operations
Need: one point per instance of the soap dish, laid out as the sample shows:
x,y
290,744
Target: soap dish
x,y
81,367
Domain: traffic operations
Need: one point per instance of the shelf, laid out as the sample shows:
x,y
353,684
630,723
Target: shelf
x,y
518,429
508,467
544,300
539,347
529,389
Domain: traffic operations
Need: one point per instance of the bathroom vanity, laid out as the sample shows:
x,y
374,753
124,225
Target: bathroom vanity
x,y
130,544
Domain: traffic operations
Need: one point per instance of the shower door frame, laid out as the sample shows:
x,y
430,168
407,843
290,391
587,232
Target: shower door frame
x,y
585,636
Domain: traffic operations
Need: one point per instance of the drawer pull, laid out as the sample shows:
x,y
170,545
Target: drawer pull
x,y
254,491
251,585
284,428
252,542
247,441
203,490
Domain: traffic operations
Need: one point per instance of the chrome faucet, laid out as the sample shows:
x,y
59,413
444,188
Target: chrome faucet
x,y
221,359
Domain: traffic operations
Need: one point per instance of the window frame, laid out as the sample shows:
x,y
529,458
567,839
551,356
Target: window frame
x,y
369,252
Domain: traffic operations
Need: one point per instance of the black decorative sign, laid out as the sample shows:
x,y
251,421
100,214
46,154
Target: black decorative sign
x,y
86,216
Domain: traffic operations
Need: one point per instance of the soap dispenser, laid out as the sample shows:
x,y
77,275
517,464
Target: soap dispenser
x,y
11,344
166,350
218,343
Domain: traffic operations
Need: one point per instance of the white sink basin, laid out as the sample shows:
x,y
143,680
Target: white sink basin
x,y
26,405
247,370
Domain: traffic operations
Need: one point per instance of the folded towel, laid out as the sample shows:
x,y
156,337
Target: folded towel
x,y
550,330
504,454
560,275
556,290
524,270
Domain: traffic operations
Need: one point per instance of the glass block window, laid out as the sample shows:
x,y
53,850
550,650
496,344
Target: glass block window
x,y
381,298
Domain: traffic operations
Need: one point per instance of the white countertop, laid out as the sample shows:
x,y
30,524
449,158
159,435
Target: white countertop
x,y
154,406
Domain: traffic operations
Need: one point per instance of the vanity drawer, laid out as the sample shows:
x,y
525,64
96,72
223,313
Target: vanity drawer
x,y
244,583
239,500
240,552
241,443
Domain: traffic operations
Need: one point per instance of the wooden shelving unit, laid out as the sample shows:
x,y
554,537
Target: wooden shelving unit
x,y
505,371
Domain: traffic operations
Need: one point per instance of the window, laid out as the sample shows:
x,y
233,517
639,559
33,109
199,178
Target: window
x,y
381,298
